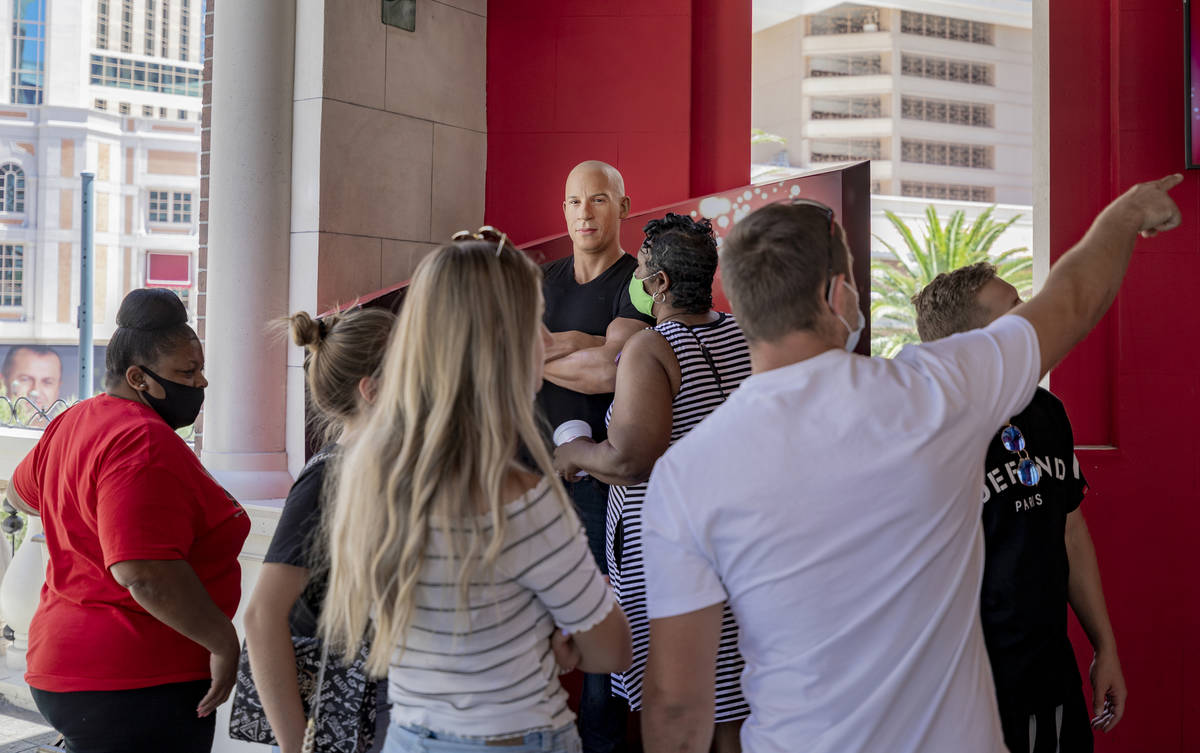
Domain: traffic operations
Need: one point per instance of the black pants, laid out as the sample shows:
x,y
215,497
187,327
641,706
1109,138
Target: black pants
x,y
602,716
143,720
1055,729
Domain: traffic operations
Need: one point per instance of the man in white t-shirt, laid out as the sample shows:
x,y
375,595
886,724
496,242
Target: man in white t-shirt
x,y
833,500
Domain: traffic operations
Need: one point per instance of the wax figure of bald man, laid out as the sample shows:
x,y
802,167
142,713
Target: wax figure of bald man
x,y
590,316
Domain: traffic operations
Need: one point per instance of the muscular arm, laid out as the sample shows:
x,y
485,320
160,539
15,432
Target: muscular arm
x,y
1083,283
565,343
593,371
1086,597
679,687
272,658
640,430
170,591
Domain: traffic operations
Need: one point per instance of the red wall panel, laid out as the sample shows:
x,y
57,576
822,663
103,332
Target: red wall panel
x,y
615,81
1117,117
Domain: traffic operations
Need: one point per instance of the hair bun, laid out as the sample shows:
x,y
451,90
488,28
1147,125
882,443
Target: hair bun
x,y
308,332
150,309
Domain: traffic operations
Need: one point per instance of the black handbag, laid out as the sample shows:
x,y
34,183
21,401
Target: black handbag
x,y
339,700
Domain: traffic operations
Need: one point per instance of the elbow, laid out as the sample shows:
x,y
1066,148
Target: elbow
x,y
631,471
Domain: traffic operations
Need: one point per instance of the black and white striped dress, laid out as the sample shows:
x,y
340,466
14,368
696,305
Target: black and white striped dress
x,y
713,361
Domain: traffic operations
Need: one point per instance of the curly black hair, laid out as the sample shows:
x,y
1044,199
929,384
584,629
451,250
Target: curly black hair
x,y
686,250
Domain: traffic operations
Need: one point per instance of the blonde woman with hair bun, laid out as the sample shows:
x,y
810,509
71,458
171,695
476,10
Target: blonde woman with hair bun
x,y
465,561
343,353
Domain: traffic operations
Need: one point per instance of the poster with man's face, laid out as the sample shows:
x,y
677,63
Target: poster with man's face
x,y
44,374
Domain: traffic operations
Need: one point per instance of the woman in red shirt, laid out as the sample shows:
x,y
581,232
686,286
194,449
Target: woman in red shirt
x,y
132,646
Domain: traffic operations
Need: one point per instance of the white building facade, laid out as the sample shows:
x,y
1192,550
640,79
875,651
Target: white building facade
x,y
111,87
941,104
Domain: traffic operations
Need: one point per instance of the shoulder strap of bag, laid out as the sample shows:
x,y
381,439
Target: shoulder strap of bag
x,y
310,730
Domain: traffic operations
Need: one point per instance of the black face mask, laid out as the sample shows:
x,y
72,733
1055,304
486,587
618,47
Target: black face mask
x,y
182,404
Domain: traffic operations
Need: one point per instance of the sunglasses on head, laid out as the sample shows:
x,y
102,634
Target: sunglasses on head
x,y
827,213
1014,441
485,233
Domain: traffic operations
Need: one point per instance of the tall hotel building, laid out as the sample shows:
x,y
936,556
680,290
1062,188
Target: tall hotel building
x,y
112,87
938,94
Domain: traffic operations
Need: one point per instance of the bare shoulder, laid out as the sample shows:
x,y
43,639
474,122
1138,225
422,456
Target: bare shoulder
x,y
518,482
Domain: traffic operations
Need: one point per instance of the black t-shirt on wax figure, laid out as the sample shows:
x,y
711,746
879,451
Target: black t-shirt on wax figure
x,y
587,308
1024,594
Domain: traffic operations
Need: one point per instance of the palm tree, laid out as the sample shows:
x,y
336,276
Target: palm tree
x,y
944,247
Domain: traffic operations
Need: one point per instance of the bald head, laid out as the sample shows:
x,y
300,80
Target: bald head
x,y
601,170
593,206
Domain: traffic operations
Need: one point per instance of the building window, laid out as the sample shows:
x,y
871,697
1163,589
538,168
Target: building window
x,y
947,111
844,19
951,155
12,275
162,113
820,66
147,111
950,191
145,76
28,51
102,24
184,29
181,208
100,104
842,108
166,25
171,207
845,150
12,188
127,26
943,69
942,27
183,114
123,108
148,46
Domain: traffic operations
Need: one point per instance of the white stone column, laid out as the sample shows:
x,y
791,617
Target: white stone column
x,y
248,247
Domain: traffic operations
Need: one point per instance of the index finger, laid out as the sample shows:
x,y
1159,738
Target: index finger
x,y
1170,181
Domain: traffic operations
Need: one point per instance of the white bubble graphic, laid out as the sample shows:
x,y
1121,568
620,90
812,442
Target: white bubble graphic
x,y
795,190
715,206
723,221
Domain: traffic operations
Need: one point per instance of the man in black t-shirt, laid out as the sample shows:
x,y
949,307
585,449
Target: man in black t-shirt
x,y
590,316
1039,555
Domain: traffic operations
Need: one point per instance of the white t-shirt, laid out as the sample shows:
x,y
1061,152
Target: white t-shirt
x,y
835,504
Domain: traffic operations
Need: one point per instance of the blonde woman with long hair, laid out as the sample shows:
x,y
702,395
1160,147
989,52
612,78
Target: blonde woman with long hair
x,y
465,561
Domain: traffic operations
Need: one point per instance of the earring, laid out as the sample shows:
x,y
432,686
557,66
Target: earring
x,y
660,300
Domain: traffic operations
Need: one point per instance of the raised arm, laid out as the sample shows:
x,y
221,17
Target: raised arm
x,y
679,687
593,371
172,593
1083,283
1086,597
640,430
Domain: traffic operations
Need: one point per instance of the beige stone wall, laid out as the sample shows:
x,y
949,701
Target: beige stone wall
x,y
389,142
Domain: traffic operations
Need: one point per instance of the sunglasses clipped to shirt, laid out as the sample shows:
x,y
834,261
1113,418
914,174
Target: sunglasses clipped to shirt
x,y
1014,441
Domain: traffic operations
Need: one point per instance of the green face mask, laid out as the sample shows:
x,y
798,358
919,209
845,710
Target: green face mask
x,y
642,301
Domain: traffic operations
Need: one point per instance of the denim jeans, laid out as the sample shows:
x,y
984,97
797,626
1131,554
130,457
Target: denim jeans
x,y
414,739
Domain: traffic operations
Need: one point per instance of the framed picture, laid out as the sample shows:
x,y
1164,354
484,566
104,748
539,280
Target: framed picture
x,y
1191,35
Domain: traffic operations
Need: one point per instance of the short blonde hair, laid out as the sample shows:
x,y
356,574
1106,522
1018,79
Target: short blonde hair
x,y
950,304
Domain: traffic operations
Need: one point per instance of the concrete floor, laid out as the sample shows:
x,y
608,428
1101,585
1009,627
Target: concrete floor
x,y
23,731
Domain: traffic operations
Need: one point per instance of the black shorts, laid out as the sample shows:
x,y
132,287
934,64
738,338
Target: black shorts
x,y
1064,728
155,719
